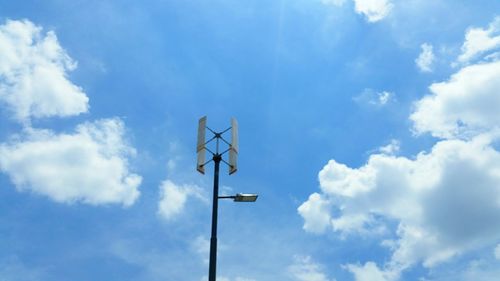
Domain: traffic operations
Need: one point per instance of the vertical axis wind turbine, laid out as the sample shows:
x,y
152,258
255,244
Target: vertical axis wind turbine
x,y
201,149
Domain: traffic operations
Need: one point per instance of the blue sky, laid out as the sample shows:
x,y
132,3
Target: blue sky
x,y
369,129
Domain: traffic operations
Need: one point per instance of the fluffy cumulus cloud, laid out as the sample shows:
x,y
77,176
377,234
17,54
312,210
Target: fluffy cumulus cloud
x,y
305,269
425,195
373,10
316,213
426,58
445,201
479,41
465,104
33,74
88,166
173,198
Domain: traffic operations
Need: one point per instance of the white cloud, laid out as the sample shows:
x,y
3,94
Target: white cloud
x,y
426,58
477,270
201,246
392,148
466,104
373,10
497,252
370,272
384,97
89,166
224,278
375,99
316,214
478,41
304,269
33,74
334,2
333,179
243,279
446,201
173,198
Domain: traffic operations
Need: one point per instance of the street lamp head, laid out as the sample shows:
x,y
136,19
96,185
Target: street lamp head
x,y
245,197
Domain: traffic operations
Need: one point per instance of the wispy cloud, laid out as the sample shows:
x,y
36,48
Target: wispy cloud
x,y
497,252
392,148
334,2
370,272
305,269
370,97
201,246
426,58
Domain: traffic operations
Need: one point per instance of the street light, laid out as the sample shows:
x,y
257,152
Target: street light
x,y
241,197
201,150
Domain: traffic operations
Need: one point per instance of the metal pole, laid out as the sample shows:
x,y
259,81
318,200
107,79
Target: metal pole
x,y
213,240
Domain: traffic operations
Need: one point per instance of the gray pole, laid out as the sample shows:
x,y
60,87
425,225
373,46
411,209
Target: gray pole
x,y
213,240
